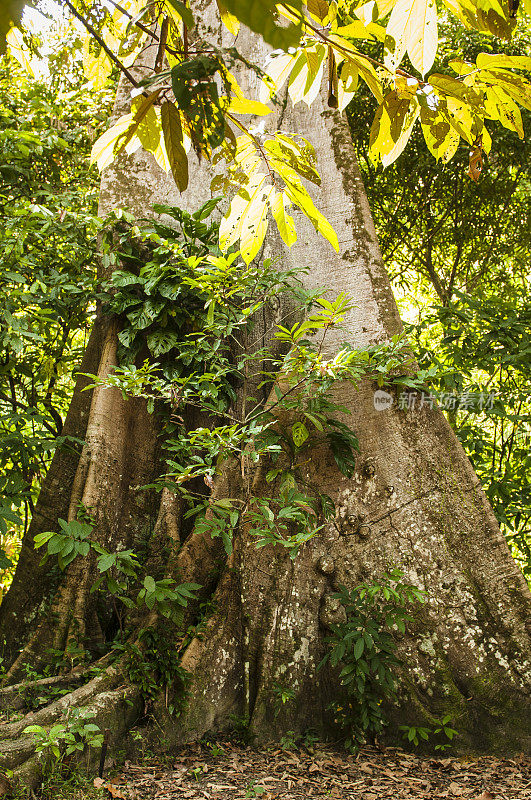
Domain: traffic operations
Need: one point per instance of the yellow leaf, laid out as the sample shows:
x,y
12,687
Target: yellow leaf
x,y
369,75
355,30
500,106
278,71
230,227
173,139
347,85
401,142
495,60
516,86
461,67
285,223
460,117
306,75
231,22
240,105
387,125
442,140
486,140
18,49
149,131
298,195
97,67
140,107
317,9
254,225
103,148
371,11
413,27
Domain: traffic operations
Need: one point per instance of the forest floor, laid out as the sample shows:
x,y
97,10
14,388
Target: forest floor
x,y
228,771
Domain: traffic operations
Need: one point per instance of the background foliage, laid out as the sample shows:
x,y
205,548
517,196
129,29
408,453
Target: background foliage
x,y
48,203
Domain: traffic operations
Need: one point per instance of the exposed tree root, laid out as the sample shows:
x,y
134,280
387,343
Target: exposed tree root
x,y
114,704
12,697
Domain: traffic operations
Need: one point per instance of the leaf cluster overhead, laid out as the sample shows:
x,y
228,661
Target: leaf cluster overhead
x,y
193,101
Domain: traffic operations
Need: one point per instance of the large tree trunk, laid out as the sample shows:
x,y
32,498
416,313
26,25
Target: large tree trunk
x,y
413,502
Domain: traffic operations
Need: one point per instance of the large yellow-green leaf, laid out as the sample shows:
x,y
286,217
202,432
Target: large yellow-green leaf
x,y
298,195
467,124
347,85
413,27
254,225
286,153
318,9
387,125
19,50
173,139
140,107
96,63
103,149
306,75
500,106
149,131
229,20
278,70
516,86
240,105
441,138
400,144
373,10
285,223
455,88
231,224
369,75
495,60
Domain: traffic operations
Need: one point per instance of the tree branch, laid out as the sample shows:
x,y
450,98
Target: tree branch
x,y
101,43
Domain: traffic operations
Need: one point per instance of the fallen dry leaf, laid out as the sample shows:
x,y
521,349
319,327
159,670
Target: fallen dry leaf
x,y
114,791
486,795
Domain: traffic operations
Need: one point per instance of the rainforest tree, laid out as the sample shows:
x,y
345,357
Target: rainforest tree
x,y
243,469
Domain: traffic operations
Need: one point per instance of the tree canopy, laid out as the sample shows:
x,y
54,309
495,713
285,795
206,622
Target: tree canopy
x,y
193,98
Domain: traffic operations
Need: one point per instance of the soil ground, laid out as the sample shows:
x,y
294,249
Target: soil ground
x,y
228,771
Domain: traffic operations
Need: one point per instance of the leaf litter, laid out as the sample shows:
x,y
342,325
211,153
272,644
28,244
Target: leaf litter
x,y
238,772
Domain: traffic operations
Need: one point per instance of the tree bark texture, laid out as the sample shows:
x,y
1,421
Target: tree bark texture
x,y
414,502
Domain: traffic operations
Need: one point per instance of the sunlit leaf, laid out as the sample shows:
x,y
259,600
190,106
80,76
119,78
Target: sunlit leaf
x,y
284,221
412,27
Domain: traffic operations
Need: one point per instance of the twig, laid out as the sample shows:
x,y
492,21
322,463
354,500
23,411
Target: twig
x,y
101,43
139,25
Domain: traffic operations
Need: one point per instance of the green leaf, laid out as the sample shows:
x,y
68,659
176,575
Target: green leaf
x,y
358,649
299,432
106,562
173,139
149,584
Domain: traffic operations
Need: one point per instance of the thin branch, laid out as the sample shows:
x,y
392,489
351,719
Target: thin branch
x,y
93,32
159,61
139,25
